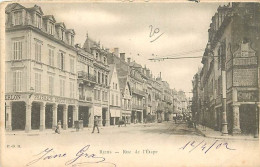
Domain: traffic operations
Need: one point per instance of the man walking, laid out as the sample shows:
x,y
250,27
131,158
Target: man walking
x,y
95,124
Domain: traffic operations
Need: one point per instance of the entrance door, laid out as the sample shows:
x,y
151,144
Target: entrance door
x,y
104,117
70,117
60,114
48,116
84,115
18,116
35,116
247,118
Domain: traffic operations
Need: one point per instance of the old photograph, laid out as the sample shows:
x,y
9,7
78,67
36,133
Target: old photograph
x,y
127,83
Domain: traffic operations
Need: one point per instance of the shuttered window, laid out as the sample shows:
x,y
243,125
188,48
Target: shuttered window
x,y
37,82
51,57
51,85
38,51
17,50
17,81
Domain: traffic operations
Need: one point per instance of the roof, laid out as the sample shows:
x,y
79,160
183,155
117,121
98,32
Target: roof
x,y
122,84
89,43
111,69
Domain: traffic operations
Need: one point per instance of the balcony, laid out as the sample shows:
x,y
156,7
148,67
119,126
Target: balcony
x,y
86,77
138,92
85,98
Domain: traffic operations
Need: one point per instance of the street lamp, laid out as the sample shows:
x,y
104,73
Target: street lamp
x,y
256,121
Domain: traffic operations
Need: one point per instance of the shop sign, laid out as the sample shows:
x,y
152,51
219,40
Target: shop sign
x,y
43,98
247,96
12,97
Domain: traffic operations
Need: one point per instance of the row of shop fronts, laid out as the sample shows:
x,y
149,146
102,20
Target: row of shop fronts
x,y
23,112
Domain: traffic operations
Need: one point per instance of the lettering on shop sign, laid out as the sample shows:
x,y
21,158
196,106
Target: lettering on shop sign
x,y
43,98
12,97
247,96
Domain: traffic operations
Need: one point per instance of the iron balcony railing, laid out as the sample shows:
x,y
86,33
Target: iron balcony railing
x,y
86,76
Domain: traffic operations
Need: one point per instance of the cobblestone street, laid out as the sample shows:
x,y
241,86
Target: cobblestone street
x,y
156,140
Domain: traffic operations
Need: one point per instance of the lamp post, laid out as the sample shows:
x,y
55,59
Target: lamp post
x,y
224,89
256,135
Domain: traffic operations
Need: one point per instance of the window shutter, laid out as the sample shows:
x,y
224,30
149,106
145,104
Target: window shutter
x,y
19,80
20,49
40,52
14,81
50,57
58,60
13,18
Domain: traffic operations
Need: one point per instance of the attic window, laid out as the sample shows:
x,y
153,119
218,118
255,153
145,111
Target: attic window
x,y
62,34
38,21
51,28
18,18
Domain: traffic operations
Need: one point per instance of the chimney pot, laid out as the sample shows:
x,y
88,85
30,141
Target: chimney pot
x,y
128,60
116,51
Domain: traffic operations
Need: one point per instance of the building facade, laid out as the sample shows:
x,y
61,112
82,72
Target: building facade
x,y
40,67
228,97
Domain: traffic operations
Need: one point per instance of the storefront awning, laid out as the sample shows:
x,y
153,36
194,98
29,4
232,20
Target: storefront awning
x,y
97,111
115,113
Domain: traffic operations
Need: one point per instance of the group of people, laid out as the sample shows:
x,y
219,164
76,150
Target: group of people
x,y
96,121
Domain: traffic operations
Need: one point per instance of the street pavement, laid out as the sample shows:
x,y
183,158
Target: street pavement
x,y
151,144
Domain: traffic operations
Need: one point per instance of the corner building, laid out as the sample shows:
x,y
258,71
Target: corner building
x,y
40,74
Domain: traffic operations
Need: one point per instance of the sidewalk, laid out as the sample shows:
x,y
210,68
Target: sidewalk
x,y
71,130
211,133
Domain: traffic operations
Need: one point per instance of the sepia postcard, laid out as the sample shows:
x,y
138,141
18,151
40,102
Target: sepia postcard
x,y
129,83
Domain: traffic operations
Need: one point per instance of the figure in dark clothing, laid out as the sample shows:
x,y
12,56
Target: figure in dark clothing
x,y
95,124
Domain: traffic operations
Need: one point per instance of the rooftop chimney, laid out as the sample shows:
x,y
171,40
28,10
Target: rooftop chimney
x,y
128,60
116,51
122,56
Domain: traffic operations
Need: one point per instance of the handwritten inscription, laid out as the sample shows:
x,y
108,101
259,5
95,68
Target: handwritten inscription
x,y
80,158
204,146
154,33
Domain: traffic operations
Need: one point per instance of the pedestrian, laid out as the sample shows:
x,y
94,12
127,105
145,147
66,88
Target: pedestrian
x,y
58,127
95,124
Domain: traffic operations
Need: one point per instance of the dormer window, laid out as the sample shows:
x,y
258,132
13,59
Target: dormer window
x,y
18,18
96,56
51,28
72,40
105,60
62,34
38,21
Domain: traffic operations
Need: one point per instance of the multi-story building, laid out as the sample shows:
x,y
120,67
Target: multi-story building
x,y
115,96
86,84
40,68
229,87
101,87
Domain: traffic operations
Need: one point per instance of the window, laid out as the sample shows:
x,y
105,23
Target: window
x,y
72,65
18,18
17,50
129,104
105,60
116,100
62,87
103,80
72,91
62,34
106,80
38,52
112,99
116,87
98,94
51,85
38,21
61,61
98,77
37,82
51,57
97,56
51,28
17,81
72,40
95,94
113,85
